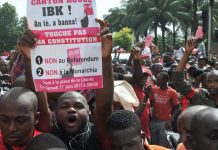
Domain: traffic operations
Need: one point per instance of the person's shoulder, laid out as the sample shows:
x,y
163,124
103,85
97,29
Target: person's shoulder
x,y
154,87
94,141
181,146
93,132
171,90
202,92
201,97
173,93
155,147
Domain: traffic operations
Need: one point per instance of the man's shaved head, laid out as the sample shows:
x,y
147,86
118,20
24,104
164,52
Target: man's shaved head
x,y
20,95
184,122
18,116
212,72
204,130
156,69
19,82
212,82
184,119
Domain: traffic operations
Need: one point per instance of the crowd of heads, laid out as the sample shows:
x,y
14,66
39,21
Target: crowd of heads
x,y
72,112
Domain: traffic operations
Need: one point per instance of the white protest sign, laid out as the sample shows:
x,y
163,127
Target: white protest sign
x,y
68,52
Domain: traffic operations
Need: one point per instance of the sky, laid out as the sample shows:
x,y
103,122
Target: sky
x,y
102,6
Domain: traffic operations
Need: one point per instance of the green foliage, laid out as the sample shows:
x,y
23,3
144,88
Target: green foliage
x,y
166,12
10,27
123,38
148,15
116,14
21,25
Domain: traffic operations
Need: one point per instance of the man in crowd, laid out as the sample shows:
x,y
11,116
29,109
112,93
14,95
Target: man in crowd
x,y
178,51
156,68
202,63
196,97
18,118
201,48
72,122
165,102
184,125
140,77
124,132
204,130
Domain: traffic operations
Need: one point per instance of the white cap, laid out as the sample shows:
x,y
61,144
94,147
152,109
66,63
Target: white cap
x,y
125,95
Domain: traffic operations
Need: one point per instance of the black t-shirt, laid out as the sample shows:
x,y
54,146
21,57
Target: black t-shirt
x,y
87,140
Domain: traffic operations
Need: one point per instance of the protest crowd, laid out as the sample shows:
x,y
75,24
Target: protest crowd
x,y
149,102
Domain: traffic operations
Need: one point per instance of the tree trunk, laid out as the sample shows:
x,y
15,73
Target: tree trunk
x,y
163,40
146,32
155,33
174,35
137,37
186,33
195,17
163,29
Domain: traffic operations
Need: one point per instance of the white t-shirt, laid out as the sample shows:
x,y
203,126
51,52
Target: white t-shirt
x,y
179,53
146,52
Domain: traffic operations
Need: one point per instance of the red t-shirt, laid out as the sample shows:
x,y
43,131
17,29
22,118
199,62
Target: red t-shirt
x,y
3,146
163,101
144,118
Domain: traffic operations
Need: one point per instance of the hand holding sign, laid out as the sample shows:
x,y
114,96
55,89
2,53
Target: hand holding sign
x,y
26,42
71,33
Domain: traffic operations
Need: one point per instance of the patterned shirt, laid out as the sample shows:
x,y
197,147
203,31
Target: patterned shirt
x,y
18,68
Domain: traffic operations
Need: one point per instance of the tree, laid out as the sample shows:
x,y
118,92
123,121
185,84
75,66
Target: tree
x,y
204,6
215,13
115,17
8,27
185,25
123,38
164,12
125,17
21,25
148,15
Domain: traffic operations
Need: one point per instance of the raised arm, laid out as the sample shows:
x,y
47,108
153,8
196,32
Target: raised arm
x,y
179,82
26,43
138,74
190,45
140,46
104,96
142,104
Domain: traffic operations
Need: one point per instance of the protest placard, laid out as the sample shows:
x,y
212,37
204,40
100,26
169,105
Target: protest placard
x,y
146,53
199,33
68,52
148,40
